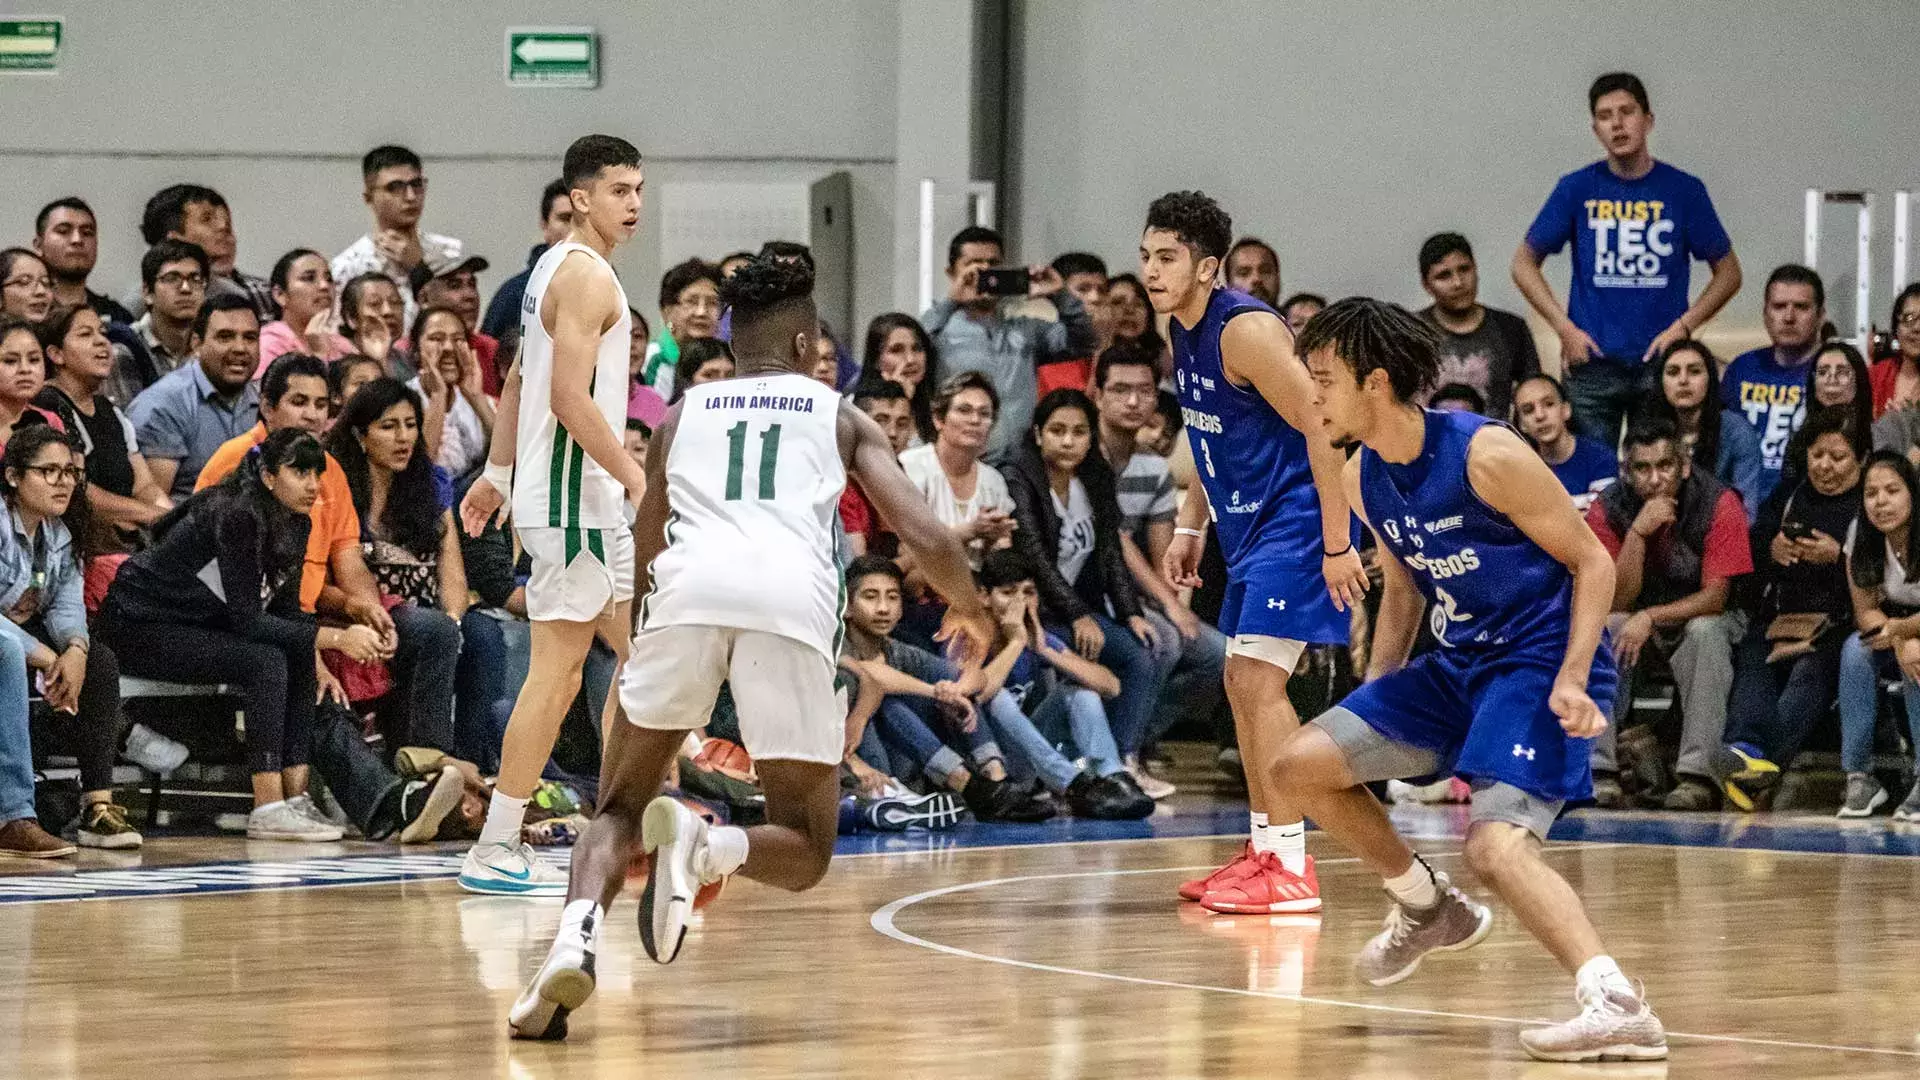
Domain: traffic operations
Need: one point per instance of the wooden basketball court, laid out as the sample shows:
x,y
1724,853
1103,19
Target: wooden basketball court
x,y
924,958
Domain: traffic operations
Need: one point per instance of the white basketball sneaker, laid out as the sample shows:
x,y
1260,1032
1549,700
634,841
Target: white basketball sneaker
x,y
677,839
1612,1026
563,984
510,870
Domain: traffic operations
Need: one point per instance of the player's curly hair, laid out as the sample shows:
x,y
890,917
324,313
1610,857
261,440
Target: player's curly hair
x,y
1371,334
764,283
1196,219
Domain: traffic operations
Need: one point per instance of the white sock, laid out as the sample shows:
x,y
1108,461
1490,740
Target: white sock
x,y
726,852
1289,843
1416,889
1601,974
264,807
576,916
1257,831
504,817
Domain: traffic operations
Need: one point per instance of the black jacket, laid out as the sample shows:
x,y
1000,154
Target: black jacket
x,y
1105,579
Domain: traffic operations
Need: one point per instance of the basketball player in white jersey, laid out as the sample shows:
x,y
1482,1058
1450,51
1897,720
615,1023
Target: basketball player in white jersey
x,y
561,415
736,529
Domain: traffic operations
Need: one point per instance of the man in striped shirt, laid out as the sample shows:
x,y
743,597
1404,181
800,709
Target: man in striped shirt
x,y
1190,653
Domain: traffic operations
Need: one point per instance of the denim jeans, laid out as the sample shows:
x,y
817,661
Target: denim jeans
x,y
1861,670
1192,673
16,743
367,790
1132,712
492,667
1601,391
910,744
423,670
1774,706
1071,716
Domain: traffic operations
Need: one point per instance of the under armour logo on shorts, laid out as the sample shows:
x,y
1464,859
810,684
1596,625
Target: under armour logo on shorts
x,y
1523,751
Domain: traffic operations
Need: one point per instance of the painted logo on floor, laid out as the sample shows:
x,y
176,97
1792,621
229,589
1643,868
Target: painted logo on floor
x,y
238,877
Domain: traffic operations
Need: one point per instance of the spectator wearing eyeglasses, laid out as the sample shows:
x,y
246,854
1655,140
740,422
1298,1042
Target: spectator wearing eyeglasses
x,y
40,593
173,285
199,215
396,194
183,418
1896,378
26,287
689,311
67,237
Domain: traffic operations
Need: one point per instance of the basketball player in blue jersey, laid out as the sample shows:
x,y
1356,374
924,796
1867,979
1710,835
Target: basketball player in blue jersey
x,y
1272,482
1473,527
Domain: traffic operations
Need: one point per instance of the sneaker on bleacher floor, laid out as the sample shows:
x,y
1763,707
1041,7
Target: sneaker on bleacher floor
x,y
1690,794
1607,793
24,838
1909,808
424,804
104,825
1747,779
1864,796
510,870
1155,787
1108,798
153,751
906,812
307,808
285,821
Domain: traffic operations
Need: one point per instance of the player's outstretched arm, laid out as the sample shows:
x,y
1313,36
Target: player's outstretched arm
x,y
1507,475
1258,347
486,494
938,554
1401,604
580,305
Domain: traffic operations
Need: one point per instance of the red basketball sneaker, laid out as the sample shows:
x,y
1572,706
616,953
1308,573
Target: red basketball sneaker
x,y
1239,864
1265,888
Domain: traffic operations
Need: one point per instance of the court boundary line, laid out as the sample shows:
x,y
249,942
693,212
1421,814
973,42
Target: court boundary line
x,y
883,922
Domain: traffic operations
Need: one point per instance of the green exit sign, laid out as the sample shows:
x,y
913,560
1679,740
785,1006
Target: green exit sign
x,y
553,56
30,44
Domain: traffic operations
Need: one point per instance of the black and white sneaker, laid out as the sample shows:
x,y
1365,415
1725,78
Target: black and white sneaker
x,y
676,837
907,812
424,804
1864,796
564,983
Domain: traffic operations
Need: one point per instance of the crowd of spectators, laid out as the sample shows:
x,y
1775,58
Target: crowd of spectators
x,y
248,480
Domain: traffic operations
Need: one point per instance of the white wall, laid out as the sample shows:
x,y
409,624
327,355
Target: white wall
x,y
273,103
1346,132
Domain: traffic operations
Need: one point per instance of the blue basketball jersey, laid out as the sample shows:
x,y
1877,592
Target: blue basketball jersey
x,y
1486,582
1252,463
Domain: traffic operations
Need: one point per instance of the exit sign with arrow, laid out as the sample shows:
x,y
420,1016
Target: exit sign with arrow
x,y
553,56
30,44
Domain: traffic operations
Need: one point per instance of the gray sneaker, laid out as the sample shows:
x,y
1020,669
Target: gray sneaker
x,y
1610,1027
1864,796
1909,808
1455,923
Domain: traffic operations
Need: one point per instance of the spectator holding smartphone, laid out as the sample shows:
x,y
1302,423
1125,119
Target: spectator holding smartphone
x,y
973,335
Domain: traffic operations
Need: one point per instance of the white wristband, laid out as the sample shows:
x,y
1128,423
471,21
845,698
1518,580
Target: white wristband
x,y
500,476
1195,533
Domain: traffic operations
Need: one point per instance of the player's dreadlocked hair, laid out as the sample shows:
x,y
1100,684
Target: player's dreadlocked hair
x,y
764,284
1196,219
1367,334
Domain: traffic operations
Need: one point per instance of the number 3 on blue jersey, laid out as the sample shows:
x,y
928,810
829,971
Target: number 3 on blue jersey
x,y
1206,452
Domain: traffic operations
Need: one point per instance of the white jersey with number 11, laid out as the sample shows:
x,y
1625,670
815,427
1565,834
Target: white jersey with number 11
x,y
754,477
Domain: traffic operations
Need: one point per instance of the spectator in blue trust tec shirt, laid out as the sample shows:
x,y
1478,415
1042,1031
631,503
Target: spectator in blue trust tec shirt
x,y
1634,224
1768,385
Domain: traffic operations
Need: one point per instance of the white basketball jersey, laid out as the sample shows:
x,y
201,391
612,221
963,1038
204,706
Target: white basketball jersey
x,y
555,483
754,477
